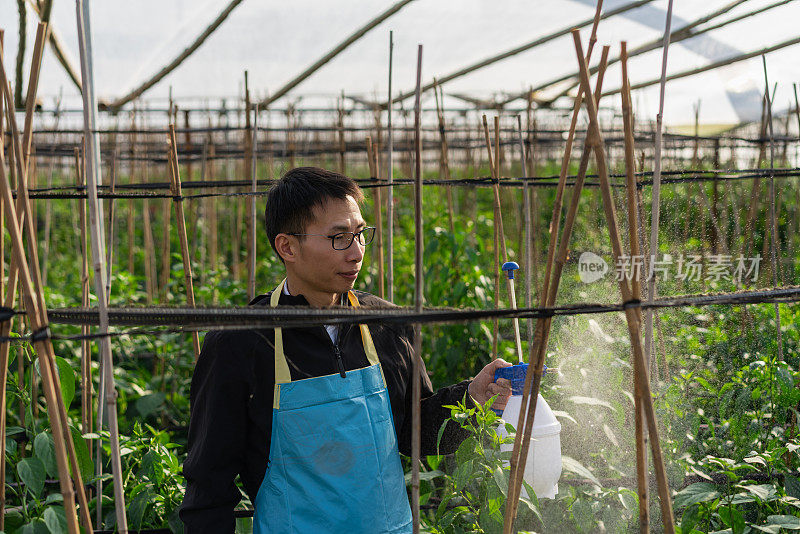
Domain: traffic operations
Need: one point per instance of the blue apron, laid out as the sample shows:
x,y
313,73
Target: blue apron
x,y
334,466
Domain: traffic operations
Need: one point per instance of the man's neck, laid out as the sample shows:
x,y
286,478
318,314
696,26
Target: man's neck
x,y
315,299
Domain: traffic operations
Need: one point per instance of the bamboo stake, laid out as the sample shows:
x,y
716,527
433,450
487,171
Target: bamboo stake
x,y
656,200
166,245
372,157
444,165
553,270
131,202
633,237
527,234
177,197
379,223
93,179
340,126
86,348
252,227
772,211
499,237
418,301
390,180
149,251
247,167
213,249
634,326
111,218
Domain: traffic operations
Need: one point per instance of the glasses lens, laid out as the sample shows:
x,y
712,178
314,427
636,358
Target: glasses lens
x,y
342,241
366,235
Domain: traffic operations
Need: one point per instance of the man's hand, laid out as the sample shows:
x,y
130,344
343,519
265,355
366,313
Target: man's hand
x,y
483,387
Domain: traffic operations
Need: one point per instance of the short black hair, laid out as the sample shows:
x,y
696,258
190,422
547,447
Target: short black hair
x,y
291,201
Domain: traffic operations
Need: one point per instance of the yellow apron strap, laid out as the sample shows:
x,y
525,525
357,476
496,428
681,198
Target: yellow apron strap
x,y
366,339
282,374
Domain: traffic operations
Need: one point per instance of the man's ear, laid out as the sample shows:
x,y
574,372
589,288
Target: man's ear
x,y
286,246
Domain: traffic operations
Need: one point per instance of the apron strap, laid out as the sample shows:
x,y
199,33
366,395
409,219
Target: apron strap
x,y
366,337
282,373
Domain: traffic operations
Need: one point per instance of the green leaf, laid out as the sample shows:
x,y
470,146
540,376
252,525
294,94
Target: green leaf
x,y
792,485
148,404
628,498
462,475
67,378
574,466
690,518
501,479
54,498
44,448
466,451
732,517
788,522
85,464
32,473
697,492
37,526
764,492
138,507
55,519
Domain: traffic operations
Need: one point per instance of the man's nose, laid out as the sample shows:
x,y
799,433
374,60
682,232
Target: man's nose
x,y
356,251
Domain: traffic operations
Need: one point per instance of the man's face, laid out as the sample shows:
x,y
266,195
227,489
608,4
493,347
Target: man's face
x,y
319,268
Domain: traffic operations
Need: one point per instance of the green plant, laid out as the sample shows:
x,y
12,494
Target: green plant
x,y
473,496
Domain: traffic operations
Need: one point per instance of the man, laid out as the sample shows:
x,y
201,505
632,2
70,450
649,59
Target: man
x,y
312,419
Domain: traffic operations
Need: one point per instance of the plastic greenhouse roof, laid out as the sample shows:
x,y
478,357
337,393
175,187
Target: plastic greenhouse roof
x,y
275,41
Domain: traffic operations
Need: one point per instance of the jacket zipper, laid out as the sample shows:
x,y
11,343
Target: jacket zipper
x,y
339,362
336,351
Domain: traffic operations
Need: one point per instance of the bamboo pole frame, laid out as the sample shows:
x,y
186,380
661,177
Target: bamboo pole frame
x,y
556,262
37,314
537,349
175,177
632,317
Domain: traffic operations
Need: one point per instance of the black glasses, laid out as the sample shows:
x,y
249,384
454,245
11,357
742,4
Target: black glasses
x,y
343,240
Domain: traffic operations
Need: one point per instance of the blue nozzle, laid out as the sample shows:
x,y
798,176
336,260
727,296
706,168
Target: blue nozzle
x,y
509,267
516,374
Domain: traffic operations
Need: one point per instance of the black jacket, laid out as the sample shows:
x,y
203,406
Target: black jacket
x,y
231,404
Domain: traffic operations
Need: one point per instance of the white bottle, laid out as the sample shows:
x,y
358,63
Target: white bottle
x,y
543,466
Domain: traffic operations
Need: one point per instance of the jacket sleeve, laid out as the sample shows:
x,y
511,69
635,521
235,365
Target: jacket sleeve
x,y
217,430
432,413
